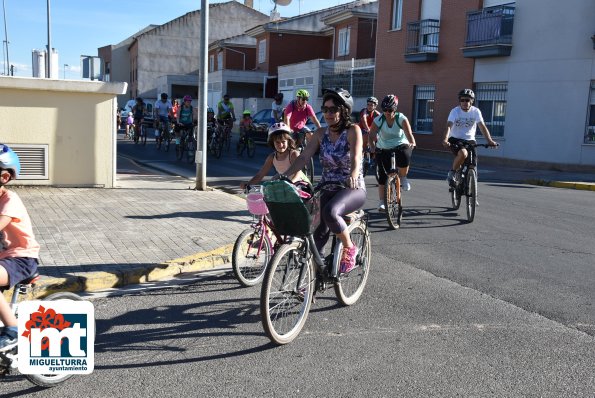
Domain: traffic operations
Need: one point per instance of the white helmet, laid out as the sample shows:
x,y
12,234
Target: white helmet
x,y
278,127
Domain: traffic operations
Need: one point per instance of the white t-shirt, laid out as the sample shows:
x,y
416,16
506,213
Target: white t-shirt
x,y
464,124
163,108
278,108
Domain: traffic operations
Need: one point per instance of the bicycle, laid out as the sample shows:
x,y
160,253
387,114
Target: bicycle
x,y
368,163
182,142
297,269
215,143
191,146
246,142
302,141
393,198
225,126
465,181
255,246
9,359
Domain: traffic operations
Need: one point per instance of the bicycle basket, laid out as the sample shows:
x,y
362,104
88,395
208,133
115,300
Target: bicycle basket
x,y
290,215
256,204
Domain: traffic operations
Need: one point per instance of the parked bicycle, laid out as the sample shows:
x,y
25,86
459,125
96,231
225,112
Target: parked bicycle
x,y
393,198
297,269
465,181
9,359
255,246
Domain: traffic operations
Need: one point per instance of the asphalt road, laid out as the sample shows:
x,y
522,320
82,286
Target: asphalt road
x,y
503,306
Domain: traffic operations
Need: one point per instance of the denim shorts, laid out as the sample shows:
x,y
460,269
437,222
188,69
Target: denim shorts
x,y
18,269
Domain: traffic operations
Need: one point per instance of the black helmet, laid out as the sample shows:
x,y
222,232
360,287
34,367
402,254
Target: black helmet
x,y
390,103
139,99
341,94
163,96
467,92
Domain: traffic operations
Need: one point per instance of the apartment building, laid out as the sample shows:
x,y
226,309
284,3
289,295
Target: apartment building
x,y
531,64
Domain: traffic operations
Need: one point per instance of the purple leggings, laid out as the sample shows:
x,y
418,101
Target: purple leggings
x,y
334,205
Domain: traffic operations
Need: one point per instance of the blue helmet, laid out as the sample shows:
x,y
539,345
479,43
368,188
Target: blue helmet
x,y
9,160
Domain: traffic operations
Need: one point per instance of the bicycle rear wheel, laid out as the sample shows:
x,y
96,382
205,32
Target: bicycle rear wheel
x,y
350,286
393,202
250,256
471,194
51,380
251,147
287,293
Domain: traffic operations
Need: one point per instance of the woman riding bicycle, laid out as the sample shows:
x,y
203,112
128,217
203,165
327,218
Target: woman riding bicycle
x,y
393,133
185,117
340,146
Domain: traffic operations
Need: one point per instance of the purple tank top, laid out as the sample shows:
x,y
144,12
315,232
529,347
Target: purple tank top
x,y
335,159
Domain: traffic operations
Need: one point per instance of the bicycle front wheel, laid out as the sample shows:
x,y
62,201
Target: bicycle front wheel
x,y
287,293
455,197
143,134
471,194
240,147
166,142
251,253
393,202
191,152
218,147
350,286
180,149
51,380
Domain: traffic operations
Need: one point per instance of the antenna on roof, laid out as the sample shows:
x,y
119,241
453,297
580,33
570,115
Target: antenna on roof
x,y
275,15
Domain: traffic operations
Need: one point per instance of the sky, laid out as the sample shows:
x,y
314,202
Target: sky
x,y
80,27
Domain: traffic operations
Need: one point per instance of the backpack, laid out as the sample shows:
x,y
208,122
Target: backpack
x,y
383,118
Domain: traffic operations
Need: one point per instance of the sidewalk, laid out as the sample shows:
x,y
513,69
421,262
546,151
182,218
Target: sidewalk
x,y
155,226
150,227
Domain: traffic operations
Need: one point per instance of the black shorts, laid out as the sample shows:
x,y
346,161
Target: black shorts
x,y
457,143
18,269
383,158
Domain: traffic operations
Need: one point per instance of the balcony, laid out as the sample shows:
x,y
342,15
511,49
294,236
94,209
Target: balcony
x,y
422,40
489,32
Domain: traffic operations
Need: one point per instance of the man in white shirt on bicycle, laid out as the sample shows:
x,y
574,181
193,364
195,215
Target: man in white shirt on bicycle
x,y
461,128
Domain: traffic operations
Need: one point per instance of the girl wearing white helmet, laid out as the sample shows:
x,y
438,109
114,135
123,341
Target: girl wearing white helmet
x,y
19,251
281,159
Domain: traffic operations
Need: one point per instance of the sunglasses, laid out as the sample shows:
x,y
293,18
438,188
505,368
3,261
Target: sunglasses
x,y
329,109
464,100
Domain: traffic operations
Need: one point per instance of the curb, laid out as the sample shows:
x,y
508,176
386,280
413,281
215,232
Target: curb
x,y
95,281
562,184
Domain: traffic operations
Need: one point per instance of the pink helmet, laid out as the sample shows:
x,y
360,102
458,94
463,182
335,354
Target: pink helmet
x,y
187,98
279,127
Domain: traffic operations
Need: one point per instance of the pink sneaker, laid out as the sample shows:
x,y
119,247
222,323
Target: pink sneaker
x,y
348,259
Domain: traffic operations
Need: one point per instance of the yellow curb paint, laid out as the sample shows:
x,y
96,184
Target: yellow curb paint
x,y
162,271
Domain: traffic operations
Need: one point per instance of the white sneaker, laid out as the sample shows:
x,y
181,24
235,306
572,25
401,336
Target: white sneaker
x,y
381,207
405,185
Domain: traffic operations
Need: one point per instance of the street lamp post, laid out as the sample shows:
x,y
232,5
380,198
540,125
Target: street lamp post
x,y
65,66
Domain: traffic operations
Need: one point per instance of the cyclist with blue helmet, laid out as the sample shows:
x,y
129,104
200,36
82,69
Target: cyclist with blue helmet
x,y
19,251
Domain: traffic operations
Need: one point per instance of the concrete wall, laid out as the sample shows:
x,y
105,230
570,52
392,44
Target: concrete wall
x,y
548,73
76,119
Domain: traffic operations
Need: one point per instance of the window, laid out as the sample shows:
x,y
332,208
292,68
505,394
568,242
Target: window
x,y
397,15
491,100
590,131
211,63
220,61
262,51
424,108
343,47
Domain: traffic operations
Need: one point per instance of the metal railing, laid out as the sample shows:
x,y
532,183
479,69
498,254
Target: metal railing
x,y
422,36
490,26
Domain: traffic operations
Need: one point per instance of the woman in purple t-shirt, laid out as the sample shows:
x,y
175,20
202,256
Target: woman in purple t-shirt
x,y
340,146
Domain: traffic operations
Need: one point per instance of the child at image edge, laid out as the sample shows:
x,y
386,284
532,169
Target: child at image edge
x,y
19,251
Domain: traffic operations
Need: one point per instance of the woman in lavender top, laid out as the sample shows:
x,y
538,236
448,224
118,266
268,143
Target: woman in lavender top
x,y
340,147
